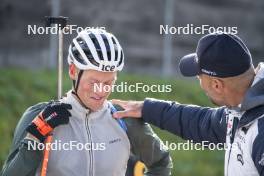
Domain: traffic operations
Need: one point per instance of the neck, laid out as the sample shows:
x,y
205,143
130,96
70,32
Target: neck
x,y
235,100
75,95
237,96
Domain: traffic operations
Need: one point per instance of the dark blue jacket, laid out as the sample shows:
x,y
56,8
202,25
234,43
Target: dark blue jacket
x,y
242,130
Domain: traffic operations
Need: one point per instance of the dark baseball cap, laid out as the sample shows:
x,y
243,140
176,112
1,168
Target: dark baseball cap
x,y
219,55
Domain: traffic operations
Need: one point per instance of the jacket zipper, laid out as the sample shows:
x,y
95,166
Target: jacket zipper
x,y
232,138
89,136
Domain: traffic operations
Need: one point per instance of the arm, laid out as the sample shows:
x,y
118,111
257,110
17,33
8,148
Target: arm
x,y
22,161
187,121
147,146
35,125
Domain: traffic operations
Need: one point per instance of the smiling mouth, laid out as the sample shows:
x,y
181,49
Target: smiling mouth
x,y
97,98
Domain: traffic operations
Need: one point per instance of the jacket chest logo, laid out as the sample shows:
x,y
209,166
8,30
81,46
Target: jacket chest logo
x,y
115,140
241,137
240,154
240,159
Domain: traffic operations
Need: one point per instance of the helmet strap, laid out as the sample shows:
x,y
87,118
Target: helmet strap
x,y
76,83
75,87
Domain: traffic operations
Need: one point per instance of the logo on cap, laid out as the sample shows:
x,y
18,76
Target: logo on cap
x,y
208,72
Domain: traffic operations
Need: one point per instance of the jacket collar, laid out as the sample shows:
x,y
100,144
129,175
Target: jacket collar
x,y
254,96
252,106
251,115
80,110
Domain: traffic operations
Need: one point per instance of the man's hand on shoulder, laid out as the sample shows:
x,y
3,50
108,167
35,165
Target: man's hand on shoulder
x,y
131,108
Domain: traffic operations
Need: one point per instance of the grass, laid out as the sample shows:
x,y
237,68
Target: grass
x,y
22,88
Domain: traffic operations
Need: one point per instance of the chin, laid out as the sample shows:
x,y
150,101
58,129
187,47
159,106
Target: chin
x,y
96,107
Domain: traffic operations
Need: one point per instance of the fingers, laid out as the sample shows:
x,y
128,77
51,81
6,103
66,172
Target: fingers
x,y
67,106
64,108
67,114
131,108
127,113
59,103
120,114
121,103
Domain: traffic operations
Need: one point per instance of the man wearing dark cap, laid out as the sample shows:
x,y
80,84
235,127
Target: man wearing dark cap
x,y
223,64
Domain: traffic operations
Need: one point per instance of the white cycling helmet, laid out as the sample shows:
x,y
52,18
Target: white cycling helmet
x,y
96,49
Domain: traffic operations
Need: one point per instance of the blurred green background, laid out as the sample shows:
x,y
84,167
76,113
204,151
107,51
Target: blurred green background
x,y
21,88
136,24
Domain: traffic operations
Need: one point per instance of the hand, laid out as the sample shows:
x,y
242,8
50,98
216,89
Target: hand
x,y
53,115
131,108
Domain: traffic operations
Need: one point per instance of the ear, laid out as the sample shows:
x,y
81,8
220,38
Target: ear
x,y
217,85
72,71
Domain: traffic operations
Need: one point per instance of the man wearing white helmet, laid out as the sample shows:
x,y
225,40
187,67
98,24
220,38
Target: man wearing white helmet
x,y
91,141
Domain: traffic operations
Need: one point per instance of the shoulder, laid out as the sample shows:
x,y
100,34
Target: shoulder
x,y
258,149
26,119
36,108
261,124
258,142
32,111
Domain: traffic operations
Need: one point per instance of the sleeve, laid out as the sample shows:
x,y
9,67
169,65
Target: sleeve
x,y
148,148
258,148
187,121
23,160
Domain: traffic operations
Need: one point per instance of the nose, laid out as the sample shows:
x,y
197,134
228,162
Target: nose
x,y
102,94
102,89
